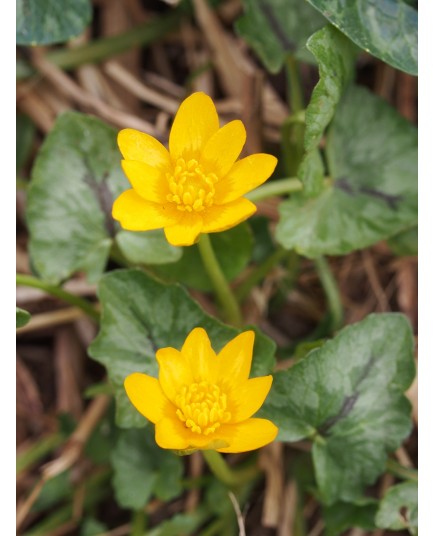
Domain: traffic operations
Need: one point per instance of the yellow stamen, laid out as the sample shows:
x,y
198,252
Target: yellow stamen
x,y
191,189
202,407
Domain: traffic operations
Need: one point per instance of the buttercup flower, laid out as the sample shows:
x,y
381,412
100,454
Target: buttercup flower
x,y
195,187
202,400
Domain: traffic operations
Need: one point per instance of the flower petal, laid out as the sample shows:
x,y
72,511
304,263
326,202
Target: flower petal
x,y
171,433
147,396
174,371
245,175
185,231
136,145
136,214
194,124
149,182
224,147
235,359
247,435
246,399
202,358
221,217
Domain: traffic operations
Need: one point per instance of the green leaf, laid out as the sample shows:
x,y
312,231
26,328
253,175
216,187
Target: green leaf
x,y
76,177
25,133
55,490
23,317
386,29
274,28
311,173
404,244
335,55
92,527
44,22
398,508
180,524
233,249
263,245
342,516
372,192
140,315
142,469
348,397
149,247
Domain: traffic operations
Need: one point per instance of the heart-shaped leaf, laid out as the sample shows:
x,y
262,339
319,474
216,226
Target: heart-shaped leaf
x,y
76,177
371,155
386,29
140,315
348,397
44,22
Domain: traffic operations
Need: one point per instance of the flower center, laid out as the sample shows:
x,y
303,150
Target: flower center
x,y
202,407
191,188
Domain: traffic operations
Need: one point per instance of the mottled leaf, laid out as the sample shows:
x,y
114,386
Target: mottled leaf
x,y
142,469
371,156
347,396
398,508
274,28
311,173
335,55
386,29
140,315
44,22
76,177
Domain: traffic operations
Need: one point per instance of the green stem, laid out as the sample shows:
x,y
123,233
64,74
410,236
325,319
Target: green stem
x,y
215,528
37,451
138,523
223,471
259,272
400,471
274,188
97,51
332,292
292,129
29,281
222,289
294,84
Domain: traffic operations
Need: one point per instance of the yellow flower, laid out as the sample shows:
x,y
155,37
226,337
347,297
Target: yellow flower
x,y
202,400
195,187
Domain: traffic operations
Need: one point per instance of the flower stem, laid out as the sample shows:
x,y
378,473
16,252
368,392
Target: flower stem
x,y
332,292
29,281
274,188
222,289
223,471
294,84
138,523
